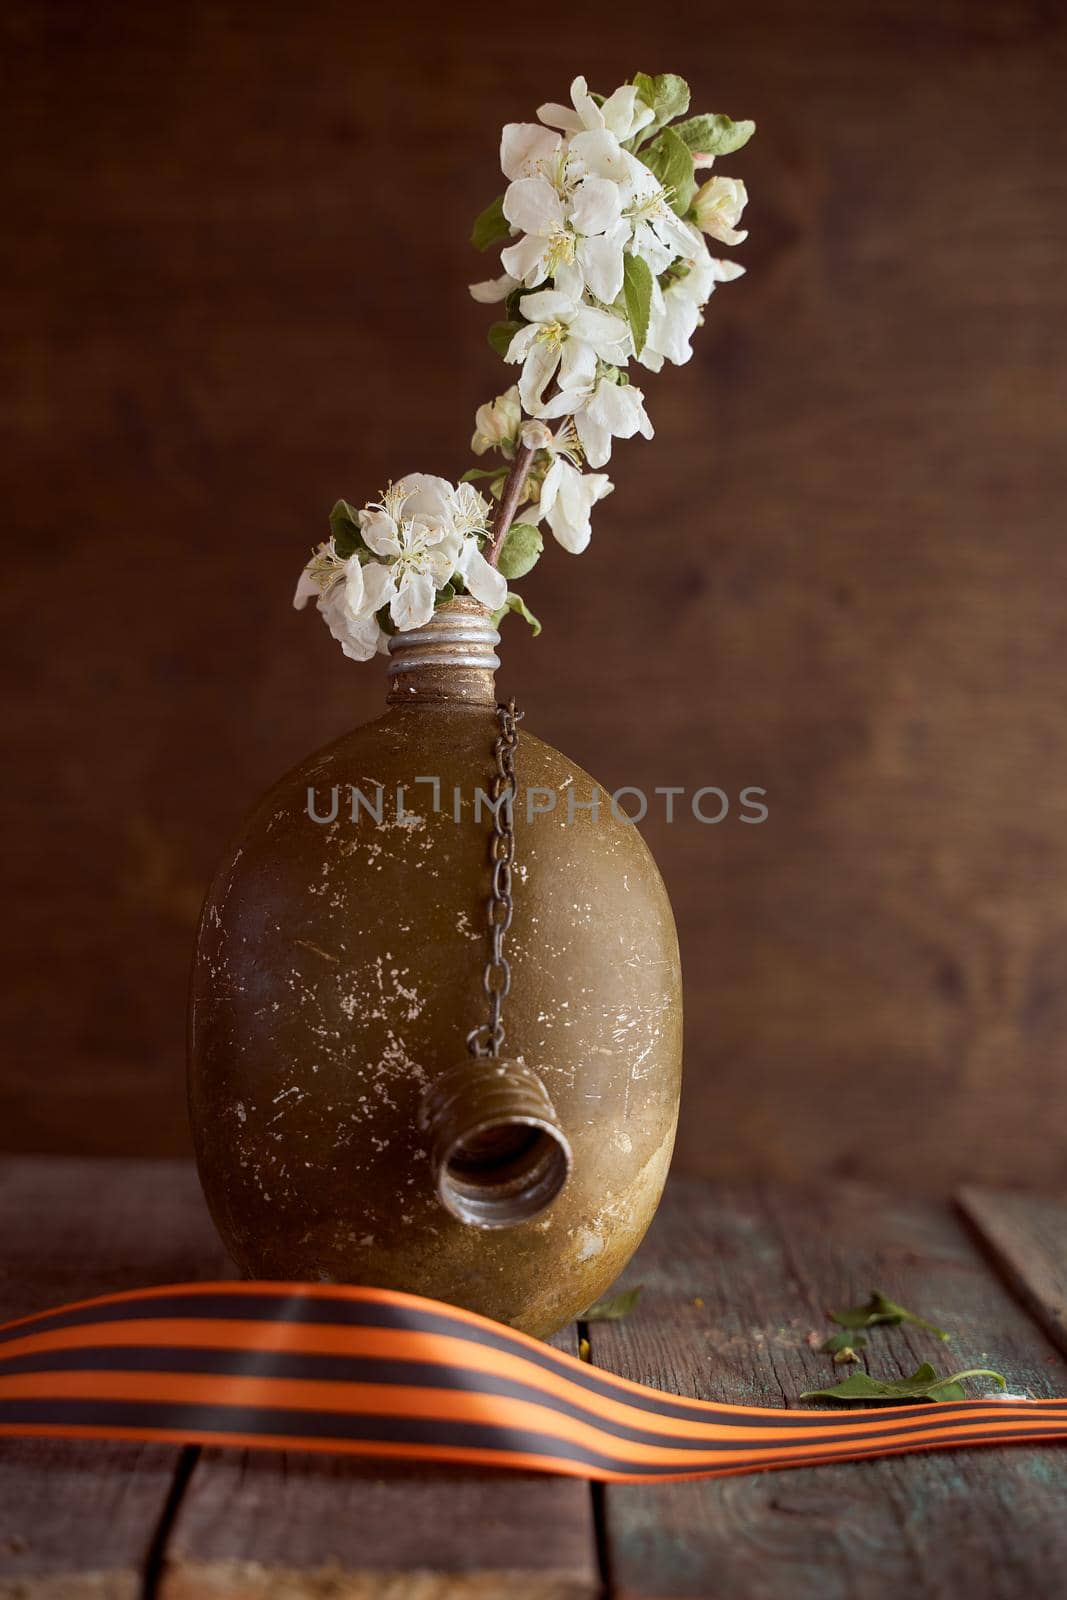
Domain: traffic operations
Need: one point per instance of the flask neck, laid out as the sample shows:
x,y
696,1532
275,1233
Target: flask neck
x,y
450,658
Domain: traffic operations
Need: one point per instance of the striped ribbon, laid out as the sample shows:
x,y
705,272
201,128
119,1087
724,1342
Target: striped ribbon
x,y
373,1373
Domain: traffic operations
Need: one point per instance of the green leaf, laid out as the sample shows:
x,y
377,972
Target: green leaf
x,y
669,160
444,595
879,1309
491,225
924,1384
512,305
344,525
385,621
637,293
501,334
614,1307
515,602
668,96
842,1341
714,136
495,476
521,550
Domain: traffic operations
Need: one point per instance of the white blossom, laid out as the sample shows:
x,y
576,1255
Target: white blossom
x,y
582,228
412,529
622,114
564,334
331,582
600,412
659,236
676,311
416,565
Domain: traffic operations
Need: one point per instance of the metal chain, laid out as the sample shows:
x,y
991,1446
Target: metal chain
x,y
487,1039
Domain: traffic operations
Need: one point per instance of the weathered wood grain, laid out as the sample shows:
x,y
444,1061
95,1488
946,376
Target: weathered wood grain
x,y
78,1521
292,1527
735,1279
236,288
1026,1235
734,1282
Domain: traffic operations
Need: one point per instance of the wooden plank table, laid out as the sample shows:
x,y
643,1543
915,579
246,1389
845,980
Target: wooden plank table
x,y
735,1281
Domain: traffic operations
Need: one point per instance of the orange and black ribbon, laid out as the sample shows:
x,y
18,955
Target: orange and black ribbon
x,y
373,1373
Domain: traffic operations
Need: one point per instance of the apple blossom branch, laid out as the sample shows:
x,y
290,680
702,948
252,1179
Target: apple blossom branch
x,y
602,228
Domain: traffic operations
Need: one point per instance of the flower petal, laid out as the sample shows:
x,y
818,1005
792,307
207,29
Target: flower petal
x,y
427,502
568,514
674,234
609,336
533,205
558,116
601,261
363,641
595,437
596,205
492,290
621,407
577,368
598,154
566,401
569,282
357,638
306,589
526,261
354,596
379,586
585,105
380,532
412,606
522,342
527,150
548,305
651,248
624,114
550,485
484,582
538,368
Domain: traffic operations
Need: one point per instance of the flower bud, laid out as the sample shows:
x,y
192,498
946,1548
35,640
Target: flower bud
x,y
497,424
536,436
718,206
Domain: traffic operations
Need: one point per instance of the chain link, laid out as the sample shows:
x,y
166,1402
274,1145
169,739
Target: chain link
x,y
486,1040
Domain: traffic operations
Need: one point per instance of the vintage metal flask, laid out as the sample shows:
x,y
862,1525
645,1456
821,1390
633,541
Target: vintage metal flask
x,y
343,1132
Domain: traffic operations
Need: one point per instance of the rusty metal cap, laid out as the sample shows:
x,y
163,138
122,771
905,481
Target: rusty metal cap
x,y
499,1155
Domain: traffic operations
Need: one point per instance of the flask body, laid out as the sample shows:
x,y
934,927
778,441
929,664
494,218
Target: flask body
x,y
338,971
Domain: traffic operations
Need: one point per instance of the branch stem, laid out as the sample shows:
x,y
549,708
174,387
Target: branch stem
x,y
514,484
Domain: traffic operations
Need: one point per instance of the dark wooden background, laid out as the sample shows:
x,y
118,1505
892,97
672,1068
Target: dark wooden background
x,y
235,268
